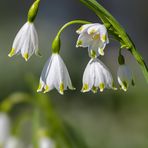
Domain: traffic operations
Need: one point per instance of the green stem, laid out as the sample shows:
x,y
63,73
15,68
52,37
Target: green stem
x,y
117,30
57,42
36,125
71,23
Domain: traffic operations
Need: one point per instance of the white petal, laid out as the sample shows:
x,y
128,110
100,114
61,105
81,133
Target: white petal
x,y
18,41
83,28
99,75
93,29
34,37
88,76
124,75
46,143
84,40
93,48
4,128
13,142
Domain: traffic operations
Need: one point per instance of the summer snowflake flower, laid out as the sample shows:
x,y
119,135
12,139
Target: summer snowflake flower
x,y
93,36
55,75
97,75
46,143
25,42
125,77
4,128
13,142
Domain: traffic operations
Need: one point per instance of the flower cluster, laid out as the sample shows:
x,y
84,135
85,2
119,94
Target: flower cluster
x,y
8,140
96,76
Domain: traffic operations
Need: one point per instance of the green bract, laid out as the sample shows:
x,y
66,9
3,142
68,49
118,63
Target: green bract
x,y
33,11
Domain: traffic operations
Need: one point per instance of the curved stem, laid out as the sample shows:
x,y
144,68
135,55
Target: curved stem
x,y
57,42
71,23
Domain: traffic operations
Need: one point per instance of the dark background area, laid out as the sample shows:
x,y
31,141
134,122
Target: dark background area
x,y
112,119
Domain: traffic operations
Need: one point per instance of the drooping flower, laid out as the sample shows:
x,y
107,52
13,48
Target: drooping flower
x,y
4,128
55,75
25,42
125,77
45,142
13,142
93,36
97,75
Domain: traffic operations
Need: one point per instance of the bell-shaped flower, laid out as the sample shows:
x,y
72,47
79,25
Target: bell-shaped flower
x,y
97,75
25,42
45,142
125,77
95,37
55,75
13,142
4,128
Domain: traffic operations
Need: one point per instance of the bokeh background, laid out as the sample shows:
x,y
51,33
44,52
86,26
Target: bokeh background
x,y
112,119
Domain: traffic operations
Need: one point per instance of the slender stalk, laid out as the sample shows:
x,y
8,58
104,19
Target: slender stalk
x,y
35,127
57,42
71,23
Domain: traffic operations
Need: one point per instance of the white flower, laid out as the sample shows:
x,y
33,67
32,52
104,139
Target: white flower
x,y
125,77
55,75
93,36
4,128
97,75
25,42
13,142
45,142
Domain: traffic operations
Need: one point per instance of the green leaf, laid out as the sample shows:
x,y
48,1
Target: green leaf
x,y
117,31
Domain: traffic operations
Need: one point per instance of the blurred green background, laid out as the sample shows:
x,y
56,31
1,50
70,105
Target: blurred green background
x,y
112,119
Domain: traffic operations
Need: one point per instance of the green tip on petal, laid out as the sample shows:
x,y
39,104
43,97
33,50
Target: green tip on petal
x,y
93,31
101,51
12,52
26,56
46,89
79,30
94,89
72,88
93,54
96,37
85,88
104,38
101,86
61,89
113,86
39,88
79,43
124,85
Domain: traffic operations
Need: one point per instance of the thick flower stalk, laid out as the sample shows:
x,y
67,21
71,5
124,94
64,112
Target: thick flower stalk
x,y
97,75
95,37
26,40
4,128
55,75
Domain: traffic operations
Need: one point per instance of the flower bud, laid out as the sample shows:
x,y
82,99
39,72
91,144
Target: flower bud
x,y
56,44
33,11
